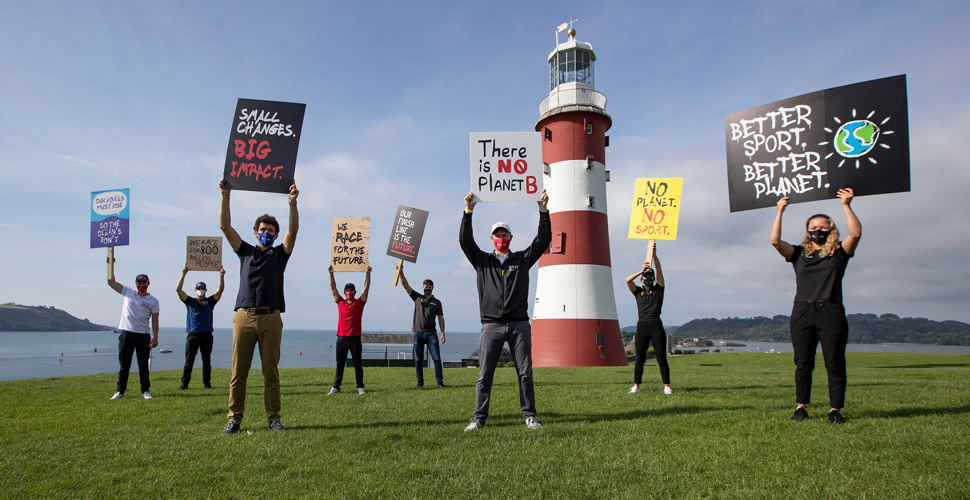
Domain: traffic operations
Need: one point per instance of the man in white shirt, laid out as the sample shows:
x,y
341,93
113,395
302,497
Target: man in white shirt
x,y
139,306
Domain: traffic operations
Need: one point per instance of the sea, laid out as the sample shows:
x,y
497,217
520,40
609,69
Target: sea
x,y
25,355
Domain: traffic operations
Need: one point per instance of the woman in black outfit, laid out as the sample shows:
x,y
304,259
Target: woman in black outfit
x,y
650,299
818,315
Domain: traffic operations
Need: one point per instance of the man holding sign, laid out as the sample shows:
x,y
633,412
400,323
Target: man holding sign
x,y
427,307
198,326
259,304
503,300
139,307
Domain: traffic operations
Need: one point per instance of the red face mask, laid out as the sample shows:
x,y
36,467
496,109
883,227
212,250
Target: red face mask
x,y
350,295
501,244
142,288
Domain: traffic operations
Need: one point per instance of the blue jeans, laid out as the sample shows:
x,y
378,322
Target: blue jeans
x,y
430,340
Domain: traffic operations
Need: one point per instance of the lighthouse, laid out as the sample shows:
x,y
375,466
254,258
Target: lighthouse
x,y
574,320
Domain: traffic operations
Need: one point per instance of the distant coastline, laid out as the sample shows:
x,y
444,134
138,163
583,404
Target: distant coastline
x,y
22,318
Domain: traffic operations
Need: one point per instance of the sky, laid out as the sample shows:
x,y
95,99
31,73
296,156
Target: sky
x,y
141,95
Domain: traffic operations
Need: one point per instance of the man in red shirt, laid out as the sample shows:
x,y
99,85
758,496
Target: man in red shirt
x,y
348,330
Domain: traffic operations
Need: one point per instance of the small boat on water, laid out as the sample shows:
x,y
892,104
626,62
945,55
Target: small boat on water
x,y
165,349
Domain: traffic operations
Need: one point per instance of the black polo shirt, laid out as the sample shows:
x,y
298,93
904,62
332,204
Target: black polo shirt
x,y
649,302
425,312
818,279
261,276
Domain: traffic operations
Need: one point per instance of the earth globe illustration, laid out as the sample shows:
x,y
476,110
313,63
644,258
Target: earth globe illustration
x,y
856,138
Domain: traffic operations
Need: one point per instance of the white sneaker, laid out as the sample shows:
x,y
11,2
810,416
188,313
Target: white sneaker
x,y
474,425
360,390
532,423
146,395
118,395
634,390
667,390
333,390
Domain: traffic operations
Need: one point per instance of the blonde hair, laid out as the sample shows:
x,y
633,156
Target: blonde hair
x,y
831,243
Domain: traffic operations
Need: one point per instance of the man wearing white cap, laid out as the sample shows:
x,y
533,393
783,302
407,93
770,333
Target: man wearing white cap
x,y
503,299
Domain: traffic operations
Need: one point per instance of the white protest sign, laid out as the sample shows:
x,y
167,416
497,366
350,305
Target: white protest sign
x,y
506,166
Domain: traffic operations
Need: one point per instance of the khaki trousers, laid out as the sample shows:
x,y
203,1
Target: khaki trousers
x,y
249,330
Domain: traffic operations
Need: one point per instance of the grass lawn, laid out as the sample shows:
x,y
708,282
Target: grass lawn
x,y
724,433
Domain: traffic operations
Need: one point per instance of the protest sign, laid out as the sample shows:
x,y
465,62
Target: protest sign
x,y
506,166
109,218
263,144
349,244
808,147
656,209
406,236
203,253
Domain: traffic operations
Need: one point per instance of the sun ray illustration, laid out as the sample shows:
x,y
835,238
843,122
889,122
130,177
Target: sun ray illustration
x,y
888,132
827,129
836,118
873,160
886,146
841,163
829,156
884,121
823,143
870,114
857,164
853,112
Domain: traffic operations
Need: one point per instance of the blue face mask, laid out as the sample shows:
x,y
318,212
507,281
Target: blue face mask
x,y
265,239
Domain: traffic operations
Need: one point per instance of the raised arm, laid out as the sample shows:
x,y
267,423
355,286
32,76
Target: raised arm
x,y
178,287
363,295
783,247
631,279
404,281
333,284
466,237
222,285
852,223
656,266
543,234
225,219
111,275
294,224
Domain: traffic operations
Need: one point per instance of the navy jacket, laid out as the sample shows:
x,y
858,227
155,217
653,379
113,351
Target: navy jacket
x,y
503,288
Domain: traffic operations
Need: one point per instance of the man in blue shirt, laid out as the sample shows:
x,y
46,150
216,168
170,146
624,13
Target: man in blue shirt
x,y
198,325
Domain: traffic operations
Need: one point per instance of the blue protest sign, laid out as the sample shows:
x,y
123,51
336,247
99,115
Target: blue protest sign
x,y
109,218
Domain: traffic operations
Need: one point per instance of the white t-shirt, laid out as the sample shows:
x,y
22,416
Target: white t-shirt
x,y
136,313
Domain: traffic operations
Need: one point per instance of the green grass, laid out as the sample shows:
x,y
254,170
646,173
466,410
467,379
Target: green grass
x,y
724,433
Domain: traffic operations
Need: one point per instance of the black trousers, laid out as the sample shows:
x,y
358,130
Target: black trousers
x,y
353,345
651,330
813,323
195,342
137,343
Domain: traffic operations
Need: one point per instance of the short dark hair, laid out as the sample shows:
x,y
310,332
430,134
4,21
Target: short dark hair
x,y
428,282
268,219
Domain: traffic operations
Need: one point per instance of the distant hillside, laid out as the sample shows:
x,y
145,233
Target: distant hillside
x,y
863,329
21,318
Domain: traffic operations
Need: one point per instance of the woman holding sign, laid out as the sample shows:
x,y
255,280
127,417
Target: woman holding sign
x,y
650,299
818,315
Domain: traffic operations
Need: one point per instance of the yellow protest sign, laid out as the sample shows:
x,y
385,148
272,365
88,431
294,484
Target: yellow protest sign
x,y
656,208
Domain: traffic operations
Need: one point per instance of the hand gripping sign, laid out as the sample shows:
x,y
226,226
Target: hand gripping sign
x,y
506,166
109,218
656,209
263,144
203,253
349,244
810,146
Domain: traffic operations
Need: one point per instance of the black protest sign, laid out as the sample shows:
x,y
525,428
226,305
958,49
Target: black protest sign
x,y
406,236
808,147
262,145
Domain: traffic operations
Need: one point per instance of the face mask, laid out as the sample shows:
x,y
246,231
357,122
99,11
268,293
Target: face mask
x,y
818,236
265,239
501,244
200,294
647,282
427,291
349,294
143,289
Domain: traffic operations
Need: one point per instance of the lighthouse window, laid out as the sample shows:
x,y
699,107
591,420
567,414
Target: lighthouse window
x,y
570,66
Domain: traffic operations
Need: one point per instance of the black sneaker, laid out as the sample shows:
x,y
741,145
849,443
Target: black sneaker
x,y
277,426
420,385
835,417
231,428
208,386
800,414
183,387
441,386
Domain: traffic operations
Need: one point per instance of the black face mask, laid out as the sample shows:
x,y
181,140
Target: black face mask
x,y
818,236
427,291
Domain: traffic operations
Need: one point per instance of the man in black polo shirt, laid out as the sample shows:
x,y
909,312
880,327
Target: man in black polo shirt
x,y
427,307
258,307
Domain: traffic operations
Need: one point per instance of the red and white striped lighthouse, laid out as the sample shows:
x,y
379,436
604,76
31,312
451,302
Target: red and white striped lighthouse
x,y
574,321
